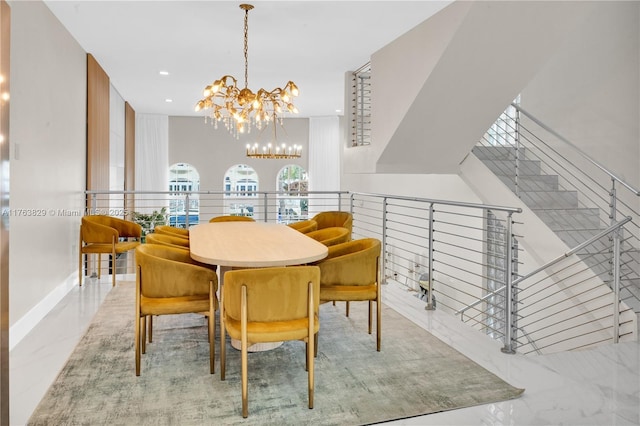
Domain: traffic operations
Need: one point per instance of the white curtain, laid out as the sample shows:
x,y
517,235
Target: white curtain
x,y
152,160
324,160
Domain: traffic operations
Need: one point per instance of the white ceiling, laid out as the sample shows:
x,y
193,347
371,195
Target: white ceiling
x,y
312,43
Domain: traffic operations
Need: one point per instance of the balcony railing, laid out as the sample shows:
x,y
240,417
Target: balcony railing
x,y
455,256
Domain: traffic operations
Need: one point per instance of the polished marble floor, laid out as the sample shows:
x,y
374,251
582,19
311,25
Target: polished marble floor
x,y
590,387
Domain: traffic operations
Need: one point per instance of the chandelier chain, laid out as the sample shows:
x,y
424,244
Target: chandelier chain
x,y
246,47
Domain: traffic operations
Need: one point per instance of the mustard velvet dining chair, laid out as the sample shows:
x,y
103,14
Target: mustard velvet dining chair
x,y
167,240
329,219
330,236
304,226
171,240
253,311
230,218
168,283
171,230
350,273
101,234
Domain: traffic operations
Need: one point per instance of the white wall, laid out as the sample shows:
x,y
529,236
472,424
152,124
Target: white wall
x,y
589,91
48,134
212,152
496,48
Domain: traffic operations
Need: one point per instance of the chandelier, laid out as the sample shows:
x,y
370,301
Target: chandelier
x,y
274,149
240,109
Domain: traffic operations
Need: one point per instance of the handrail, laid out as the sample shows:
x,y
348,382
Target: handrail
x,y
575,249
547,265
443,202
578,150
221,191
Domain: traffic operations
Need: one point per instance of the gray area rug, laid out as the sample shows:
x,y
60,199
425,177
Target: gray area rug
x,y
414,374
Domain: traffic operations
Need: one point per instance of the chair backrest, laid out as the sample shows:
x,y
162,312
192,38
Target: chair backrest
x,y
273,294
355,262
167,240
232,219
334,218
171,230
330,236
163,270
125,228
304,226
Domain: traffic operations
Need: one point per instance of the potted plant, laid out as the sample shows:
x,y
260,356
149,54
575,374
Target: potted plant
x,y
149,221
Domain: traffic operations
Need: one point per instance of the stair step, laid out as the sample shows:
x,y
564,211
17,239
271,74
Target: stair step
x,y
561,219
498,152
574,237
531,182
550,199
508,167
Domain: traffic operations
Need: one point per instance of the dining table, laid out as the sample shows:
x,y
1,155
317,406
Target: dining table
x,y
252,245
236,245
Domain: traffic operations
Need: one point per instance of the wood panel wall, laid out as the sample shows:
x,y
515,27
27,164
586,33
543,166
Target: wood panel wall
x,y
98,88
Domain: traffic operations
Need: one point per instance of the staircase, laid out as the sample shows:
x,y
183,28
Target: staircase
x,y
562,212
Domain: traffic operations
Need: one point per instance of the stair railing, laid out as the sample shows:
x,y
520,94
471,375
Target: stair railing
x,y
532,141
599,315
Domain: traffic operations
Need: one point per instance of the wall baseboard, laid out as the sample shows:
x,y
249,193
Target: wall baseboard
x,y
24,325
31,319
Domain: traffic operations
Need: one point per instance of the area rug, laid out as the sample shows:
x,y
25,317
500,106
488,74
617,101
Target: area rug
x,y
414,374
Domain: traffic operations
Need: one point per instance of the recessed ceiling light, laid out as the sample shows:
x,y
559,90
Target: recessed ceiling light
x,y
338,110
168,100
164,72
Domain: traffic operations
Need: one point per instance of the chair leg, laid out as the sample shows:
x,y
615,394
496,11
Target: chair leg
x,y
223,337
150,328
113,265
212,326
223,348
243,355
80,269
370,315
80,260
311,344
315,345
143,325
212,341
379,323
99,264
347,313
137,343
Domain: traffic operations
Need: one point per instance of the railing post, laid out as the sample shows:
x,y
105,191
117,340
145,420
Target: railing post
x,y
187,209
429,306
613,206
517,140
616,285
508,290
266,206
351,200
383,267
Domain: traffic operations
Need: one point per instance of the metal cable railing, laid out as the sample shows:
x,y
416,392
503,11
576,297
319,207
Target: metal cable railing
x,y
455,256
441,250
361,106
576,198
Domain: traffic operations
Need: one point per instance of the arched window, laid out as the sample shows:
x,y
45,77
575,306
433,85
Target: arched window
x,y
292,184
240,183
184,205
